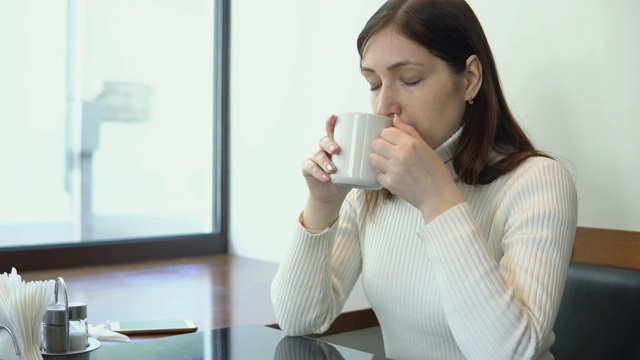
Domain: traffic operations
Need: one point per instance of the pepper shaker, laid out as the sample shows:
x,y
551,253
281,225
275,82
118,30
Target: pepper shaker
x,y
54,330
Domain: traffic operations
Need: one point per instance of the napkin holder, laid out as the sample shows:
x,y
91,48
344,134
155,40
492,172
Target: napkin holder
x,y
13,338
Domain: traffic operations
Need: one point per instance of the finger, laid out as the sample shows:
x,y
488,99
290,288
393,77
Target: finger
x,y
379,162
381,180
404,127
330,125
327,142
383,147
397,134
324,162
312,169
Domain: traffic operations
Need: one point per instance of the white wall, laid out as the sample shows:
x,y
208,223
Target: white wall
x,y
567,68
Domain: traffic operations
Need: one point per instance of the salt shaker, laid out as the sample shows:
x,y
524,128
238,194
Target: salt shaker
x,y
78,327
54,330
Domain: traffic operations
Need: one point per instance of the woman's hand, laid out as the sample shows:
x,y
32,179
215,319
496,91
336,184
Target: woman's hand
x,y
409,168
325,198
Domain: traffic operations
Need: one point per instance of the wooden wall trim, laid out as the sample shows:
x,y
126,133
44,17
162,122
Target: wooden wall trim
x,y
347,321
607,247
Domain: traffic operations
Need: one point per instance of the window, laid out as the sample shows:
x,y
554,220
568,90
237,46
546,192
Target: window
x,y
112,130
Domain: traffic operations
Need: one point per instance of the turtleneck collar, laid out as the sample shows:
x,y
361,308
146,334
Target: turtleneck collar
x,y
447,148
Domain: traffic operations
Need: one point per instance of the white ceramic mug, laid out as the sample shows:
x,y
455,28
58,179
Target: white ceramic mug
x,y
354,133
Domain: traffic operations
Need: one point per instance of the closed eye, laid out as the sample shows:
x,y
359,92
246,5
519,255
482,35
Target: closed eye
x,y
412,83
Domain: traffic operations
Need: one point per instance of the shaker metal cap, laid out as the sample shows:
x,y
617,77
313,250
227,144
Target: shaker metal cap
x,y
77,311
55,315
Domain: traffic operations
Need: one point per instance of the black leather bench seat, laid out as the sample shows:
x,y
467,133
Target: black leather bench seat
x,y
599,316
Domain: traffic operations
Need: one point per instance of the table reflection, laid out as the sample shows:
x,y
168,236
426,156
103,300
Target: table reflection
x,y
238,342
305,348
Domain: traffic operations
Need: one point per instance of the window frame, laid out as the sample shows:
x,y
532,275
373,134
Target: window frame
x,y
40,257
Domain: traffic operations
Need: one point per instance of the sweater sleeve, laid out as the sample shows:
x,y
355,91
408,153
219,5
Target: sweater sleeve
x,y
317,275
506,307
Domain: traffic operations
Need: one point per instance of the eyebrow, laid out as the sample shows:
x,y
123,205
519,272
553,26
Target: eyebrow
x,y
393,66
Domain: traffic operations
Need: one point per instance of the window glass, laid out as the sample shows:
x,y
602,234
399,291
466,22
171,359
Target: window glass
x,y
106,127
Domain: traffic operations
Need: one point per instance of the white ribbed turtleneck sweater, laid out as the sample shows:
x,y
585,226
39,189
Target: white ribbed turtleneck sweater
x,y
483,280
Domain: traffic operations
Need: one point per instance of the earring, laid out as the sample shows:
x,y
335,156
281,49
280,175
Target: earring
x,y
470,102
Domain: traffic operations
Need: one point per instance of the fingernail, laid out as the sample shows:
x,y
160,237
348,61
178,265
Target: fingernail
x,y
325,176
329,167
332,148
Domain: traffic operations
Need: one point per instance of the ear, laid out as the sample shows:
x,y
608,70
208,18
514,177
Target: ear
x,y
473,77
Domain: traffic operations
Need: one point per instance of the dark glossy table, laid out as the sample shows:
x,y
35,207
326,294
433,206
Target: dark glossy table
x,y
237,342
224,290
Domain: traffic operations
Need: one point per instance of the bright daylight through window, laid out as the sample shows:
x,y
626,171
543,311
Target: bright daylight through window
x,y
107,120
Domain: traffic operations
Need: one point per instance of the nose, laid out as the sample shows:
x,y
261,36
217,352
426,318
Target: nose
x,y
387,102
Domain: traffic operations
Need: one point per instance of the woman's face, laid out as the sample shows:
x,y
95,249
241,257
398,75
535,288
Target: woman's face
x,y
407,80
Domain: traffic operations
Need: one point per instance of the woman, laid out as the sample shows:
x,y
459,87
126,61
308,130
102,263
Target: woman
x,y
464,252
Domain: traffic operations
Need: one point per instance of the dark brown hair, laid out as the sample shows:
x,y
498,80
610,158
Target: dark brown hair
x,y
450,30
